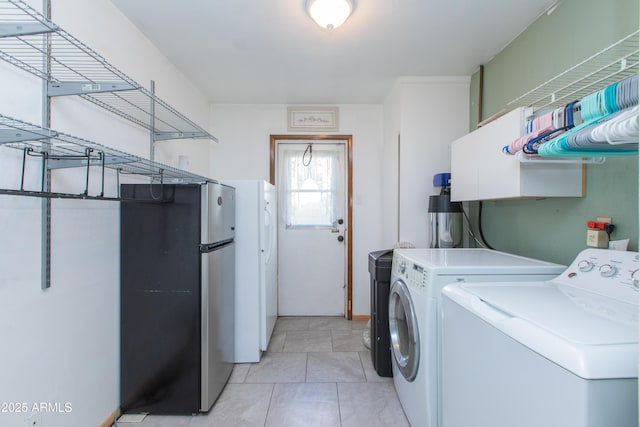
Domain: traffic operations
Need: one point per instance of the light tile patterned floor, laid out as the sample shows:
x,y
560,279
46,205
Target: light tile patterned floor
x,y
317,372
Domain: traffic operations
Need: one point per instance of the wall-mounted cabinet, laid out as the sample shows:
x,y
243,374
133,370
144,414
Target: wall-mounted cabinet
x,y
480,171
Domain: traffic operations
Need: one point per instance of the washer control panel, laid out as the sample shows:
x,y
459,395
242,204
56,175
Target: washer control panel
x,y
606,272
417,277
413,274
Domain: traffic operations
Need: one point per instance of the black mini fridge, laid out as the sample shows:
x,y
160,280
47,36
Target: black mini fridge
x,y
177,271
380,274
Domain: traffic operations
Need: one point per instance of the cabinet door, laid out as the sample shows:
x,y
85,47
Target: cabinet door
x,y
479,170
464,170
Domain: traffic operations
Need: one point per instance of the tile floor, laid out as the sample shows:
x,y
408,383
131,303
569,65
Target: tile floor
x,y
316,372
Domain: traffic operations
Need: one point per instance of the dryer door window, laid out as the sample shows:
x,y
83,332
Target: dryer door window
x,y
403,330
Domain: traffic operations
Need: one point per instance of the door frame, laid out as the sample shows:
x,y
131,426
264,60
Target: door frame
x,y
348,140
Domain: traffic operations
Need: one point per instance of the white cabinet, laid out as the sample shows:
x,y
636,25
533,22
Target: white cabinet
x,y
480,171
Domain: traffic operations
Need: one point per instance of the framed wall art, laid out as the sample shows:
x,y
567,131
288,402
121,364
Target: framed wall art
x,y
312,119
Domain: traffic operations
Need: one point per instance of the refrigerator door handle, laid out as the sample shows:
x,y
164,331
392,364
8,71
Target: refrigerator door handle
x,y
210,247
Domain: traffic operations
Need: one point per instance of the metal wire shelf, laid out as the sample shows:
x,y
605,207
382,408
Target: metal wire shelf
x,y
612,64
33,43
59,150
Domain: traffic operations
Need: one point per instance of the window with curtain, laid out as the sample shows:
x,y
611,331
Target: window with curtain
x,y
313,185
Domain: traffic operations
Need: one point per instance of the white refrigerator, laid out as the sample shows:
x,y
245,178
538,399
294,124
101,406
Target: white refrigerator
x,y
256,304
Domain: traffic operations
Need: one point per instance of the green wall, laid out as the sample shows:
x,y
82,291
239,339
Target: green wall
x,y
555,229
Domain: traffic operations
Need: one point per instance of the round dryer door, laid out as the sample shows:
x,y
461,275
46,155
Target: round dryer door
x,y
403,330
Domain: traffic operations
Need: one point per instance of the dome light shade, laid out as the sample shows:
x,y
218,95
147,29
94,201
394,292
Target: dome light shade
x,y
329,14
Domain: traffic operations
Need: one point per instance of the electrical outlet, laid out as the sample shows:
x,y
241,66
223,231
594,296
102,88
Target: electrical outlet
x,y
34,420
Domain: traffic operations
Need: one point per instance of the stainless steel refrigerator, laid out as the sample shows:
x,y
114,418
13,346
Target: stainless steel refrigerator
x,y
177,296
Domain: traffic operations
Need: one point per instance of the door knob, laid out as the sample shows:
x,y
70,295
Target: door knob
x,y
340,238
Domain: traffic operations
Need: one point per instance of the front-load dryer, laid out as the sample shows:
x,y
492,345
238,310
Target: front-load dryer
x,y
407,329
417,279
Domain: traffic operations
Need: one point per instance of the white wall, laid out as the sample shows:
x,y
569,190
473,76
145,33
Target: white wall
x,y
390,173
101,26
62,345
428,113
243,153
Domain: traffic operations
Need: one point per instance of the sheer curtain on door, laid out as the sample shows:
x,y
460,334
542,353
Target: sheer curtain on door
x,y
311,178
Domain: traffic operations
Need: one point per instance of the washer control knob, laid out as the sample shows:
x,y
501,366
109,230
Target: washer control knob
x,y
403,267
585,265
608,270
635,278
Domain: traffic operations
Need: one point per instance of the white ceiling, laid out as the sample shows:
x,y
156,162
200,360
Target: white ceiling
x,y
270,51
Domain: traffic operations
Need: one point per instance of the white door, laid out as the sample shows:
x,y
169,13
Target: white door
x,y
311,225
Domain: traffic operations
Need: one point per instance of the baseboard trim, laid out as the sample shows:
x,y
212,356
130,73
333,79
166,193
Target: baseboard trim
x,y
111,419
360,317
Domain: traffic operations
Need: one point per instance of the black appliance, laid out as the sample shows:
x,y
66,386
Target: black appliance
x,y
177,271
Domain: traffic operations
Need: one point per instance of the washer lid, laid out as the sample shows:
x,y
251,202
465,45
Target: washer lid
x,y
590,335
478,261
575,315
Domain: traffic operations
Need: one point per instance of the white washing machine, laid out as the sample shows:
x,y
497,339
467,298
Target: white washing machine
x,y
558,353
417,279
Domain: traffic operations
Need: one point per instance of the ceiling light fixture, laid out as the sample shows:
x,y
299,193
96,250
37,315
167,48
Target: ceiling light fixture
x,y
330,14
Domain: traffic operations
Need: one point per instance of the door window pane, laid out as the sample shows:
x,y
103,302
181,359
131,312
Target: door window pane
x,y
312,186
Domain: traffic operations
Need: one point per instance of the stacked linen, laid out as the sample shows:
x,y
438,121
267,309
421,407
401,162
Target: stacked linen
x,y
610,125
